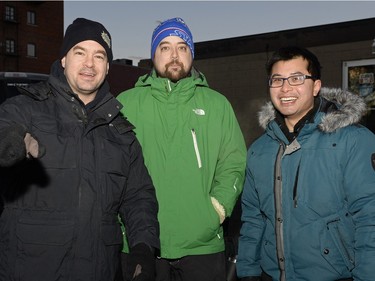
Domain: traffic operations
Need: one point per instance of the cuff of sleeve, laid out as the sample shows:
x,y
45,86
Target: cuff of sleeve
x,y
219,209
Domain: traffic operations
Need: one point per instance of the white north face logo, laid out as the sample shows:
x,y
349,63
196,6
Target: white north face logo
x,y
199,111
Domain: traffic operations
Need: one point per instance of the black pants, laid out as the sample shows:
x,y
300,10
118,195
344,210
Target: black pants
x,y
192,268
120,275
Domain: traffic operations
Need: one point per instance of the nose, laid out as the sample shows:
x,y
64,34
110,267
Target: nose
x,y
89,61
286,86
174,54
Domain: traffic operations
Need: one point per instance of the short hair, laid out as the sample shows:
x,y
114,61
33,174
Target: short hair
x,y
292,52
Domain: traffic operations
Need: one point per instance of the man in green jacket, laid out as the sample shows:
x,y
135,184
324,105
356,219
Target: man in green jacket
x,y
194,151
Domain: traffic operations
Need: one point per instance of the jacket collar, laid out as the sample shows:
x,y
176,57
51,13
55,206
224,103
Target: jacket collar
x,y
163,89
349,110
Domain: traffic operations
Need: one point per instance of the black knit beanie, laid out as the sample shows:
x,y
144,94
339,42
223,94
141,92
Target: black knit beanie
x,y
83,29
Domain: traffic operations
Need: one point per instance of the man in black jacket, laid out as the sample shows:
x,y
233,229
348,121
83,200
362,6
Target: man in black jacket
x,y
69,164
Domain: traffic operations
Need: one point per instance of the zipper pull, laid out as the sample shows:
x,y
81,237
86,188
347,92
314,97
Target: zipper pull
x,y
196,148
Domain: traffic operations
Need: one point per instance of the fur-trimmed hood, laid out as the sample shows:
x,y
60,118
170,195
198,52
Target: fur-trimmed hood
x,y
350,110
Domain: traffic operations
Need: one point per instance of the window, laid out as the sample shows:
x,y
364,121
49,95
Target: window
x,y
31,18
9,13
10,46
31,50
359,78
9,81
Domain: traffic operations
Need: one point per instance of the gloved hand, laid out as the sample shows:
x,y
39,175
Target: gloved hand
x,y
141,264
12,145
16,145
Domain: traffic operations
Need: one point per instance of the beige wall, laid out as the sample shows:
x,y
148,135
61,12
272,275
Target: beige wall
x,y
242,79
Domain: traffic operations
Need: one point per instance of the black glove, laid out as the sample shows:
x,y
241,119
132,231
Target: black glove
x,y
251,278
16,145
141,264
12,145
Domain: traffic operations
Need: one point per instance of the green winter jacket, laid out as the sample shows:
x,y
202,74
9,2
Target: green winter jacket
x,y
194,150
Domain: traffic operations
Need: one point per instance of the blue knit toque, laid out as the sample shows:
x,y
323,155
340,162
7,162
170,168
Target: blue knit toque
x,y
171,27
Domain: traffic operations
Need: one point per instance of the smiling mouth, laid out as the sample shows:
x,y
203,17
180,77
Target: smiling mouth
x,y
288,99
88,74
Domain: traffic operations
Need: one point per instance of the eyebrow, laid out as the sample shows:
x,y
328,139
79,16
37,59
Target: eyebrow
x,y
291,74
96,51
169,43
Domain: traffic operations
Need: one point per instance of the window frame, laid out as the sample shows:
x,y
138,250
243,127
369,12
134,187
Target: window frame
x,y
10,13
31,47
10,46
361,82
31,18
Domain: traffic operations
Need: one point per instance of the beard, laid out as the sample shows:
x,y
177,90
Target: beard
x,y
172,74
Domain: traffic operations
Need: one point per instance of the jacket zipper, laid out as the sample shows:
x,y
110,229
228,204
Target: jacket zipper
x,y
169,88
278,185
197,154
279,213
295,189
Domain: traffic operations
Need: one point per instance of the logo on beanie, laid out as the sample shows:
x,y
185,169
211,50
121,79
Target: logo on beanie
x,y
106,39
171,27
184,36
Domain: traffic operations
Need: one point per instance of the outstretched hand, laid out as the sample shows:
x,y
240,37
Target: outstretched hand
x,y
16,145
33,148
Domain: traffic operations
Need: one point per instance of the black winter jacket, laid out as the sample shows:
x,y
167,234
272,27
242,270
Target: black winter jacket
x,y
60,211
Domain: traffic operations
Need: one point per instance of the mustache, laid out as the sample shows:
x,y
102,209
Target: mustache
x,y
175,62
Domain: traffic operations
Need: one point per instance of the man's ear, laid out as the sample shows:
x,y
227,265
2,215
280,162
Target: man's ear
x,y
63,62
317,86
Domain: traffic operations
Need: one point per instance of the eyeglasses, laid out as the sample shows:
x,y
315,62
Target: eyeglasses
x,y
294,80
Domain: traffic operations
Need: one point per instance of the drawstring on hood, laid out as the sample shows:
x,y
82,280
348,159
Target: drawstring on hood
x,y
350,109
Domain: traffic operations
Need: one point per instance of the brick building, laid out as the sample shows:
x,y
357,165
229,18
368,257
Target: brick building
x,y
31,34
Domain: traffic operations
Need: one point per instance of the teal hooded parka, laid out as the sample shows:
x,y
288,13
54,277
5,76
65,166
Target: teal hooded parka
x,y
309,205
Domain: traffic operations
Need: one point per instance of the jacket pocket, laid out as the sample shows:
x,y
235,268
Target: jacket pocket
x,y
116,156
112,238
56,139
336,244
43,245
111,233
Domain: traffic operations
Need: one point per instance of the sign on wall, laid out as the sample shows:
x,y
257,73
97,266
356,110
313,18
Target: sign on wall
x,y
358,78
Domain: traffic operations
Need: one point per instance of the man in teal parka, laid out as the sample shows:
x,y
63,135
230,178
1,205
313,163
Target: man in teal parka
x,y
309,197
194,151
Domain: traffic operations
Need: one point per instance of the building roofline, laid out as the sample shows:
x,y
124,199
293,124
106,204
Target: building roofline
x,y
336,33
